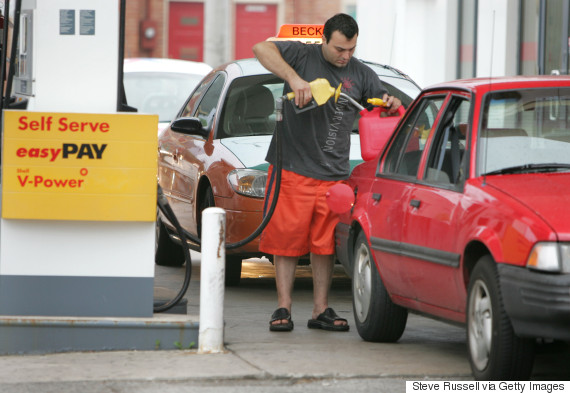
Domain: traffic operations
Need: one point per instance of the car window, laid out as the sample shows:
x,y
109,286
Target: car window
x,y
405,153
207,108
249,107
525,130
447,150
192,105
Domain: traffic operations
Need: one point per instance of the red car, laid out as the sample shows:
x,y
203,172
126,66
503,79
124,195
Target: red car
x,y
463,215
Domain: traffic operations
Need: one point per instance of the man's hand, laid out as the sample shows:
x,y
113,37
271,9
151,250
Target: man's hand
x,y
269,56
392,103
302,90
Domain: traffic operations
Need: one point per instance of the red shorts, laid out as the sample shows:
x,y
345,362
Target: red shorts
x,y
302,221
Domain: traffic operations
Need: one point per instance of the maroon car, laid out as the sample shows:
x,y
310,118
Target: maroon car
x,y
463,215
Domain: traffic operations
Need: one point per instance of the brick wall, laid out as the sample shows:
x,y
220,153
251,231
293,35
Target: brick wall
x,y
136,12
133,15
311,12
296,11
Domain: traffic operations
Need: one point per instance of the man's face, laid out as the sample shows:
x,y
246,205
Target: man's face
x,y
339,49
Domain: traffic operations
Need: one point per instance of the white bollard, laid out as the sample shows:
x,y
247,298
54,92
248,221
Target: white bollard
x,y
212,278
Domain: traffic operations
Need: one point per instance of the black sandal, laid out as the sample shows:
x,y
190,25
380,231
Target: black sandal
x,y
326,321
278,315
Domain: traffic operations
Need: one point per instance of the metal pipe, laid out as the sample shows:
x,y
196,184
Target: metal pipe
x,y
352,101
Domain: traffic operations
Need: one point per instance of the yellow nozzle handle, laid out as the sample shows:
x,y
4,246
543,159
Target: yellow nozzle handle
x,y
377,102
321,90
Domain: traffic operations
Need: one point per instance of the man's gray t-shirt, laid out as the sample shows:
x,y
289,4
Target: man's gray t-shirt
x,y
316,143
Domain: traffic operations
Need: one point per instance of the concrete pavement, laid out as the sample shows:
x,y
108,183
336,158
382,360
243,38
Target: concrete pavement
x,y
256,356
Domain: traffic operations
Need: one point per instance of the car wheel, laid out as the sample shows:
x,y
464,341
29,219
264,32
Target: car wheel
x,y
166,251
377,317
495,351
233,263
233,270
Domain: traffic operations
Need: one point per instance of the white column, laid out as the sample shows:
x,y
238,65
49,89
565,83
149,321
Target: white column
x,y
218,31
212,278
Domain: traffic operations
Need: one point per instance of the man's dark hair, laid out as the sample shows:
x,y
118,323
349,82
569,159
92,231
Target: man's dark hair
x,y
343,23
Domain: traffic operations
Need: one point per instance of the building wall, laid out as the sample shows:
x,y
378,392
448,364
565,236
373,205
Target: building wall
x,y
136,12
311,12
497,38
421,37
289,11
416,36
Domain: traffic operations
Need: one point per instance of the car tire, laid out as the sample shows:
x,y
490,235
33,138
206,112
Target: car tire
x,y
166,251
495,351
233,263
377,318
233,270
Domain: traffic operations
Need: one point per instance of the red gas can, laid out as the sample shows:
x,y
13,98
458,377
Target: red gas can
x,y
375,130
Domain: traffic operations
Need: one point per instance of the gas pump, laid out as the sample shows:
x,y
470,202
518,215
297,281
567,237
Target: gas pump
x,y
78,192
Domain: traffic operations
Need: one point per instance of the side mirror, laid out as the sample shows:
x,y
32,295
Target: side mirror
x,y
375,131
189,126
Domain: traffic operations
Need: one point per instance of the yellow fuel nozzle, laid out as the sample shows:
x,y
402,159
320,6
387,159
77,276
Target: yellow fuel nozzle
x,y
377,102
337,93
321,90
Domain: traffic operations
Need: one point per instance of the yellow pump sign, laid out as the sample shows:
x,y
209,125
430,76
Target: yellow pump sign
x,y
76,166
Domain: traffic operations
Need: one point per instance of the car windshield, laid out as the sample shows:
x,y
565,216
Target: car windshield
x,y
525,131
160,93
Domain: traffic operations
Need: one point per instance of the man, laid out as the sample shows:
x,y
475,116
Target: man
x,y
316,146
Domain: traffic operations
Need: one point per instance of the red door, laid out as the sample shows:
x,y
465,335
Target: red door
x,y
254,23
186,31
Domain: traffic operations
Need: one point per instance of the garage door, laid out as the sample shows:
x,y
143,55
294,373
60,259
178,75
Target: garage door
x,y
254,23
186,31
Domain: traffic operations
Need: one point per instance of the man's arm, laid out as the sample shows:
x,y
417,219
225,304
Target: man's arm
x,y
270,57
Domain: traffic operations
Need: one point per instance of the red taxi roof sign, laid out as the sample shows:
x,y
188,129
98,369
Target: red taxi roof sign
x,y
311,34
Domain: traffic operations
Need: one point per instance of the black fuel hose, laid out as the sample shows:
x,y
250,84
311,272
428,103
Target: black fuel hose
x,y
183,234
167,211
13,53
277,170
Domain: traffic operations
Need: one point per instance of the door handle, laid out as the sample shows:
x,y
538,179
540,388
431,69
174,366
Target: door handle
x,y
376,196
415,203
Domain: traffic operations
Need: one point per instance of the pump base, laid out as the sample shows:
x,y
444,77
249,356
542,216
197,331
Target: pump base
x,y
38,335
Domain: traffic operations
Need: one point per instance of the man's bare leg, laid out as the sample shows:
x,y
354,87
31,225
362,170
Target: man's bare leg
x,y
284,279
322,266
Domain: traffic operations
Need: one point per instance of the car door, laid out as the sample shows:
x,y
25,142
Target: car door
x,y
430,253
392,186
181,155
